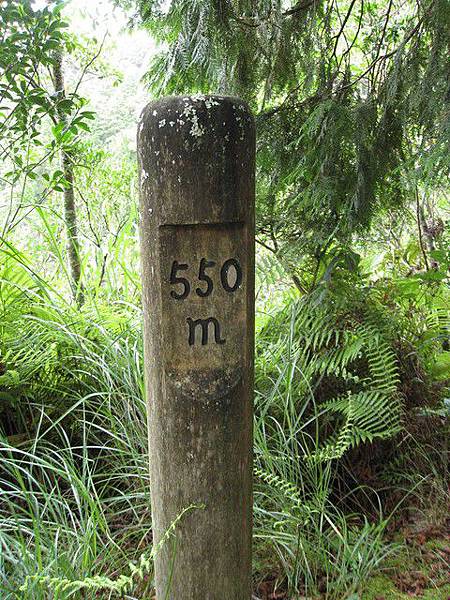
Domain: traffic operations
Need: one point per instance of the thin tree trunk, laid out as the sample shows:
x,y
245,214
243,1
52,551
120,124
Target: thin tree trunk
x,y
70,213
429,237
420,220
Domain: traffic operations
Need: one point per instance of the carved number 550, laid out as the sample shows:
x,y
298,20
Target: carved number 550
x,y
206,285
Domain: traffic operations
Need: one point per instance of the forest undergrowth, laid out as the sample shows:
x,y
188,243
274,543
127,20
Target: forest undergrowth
x,y
347,452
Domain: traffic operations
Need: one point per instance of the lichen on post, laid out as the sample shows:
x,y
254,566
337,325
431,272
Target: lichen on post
x,y
197,167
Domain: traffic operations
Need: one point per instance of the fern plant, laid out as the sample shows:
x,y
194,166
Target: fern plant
x,y
313,368
349,366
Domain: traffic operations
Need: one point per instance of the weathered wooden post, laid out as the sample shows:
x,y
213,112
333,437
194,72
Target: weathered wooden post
x,y
197,169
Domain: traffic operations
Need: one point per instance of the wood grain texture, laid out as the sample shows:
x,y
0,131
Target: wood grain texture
x,y
197,165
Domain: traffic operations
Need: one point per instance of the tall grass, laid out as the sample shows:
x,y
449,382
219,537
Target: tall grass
x,y
74,487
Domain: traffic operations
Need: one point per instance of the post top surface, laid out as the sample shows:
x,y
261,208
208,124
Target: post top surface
x,y
192,102
194,155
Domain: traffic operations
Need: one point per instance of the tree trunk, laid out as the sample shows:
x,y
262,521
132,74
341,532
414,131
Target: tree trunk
x,y
70,213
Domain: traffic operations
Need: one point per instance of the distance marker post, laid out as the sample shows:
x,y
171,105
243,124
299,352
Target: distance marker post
x,y
197,167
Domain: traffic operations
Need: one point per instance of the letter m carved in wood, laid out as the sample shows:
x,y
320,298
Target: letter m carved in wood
x,y
204,325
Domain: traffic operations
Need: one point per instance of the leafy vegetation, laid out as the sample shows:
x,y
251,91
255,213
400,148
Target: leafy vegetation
x,y
350,101
353,324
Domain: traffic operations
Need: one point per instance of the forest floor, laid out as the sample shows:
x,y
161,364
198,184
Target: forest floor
x,y
420,569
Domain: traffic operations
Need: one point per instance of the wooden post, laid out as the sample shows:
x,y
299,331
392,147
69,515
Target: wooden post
x,y
196,162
